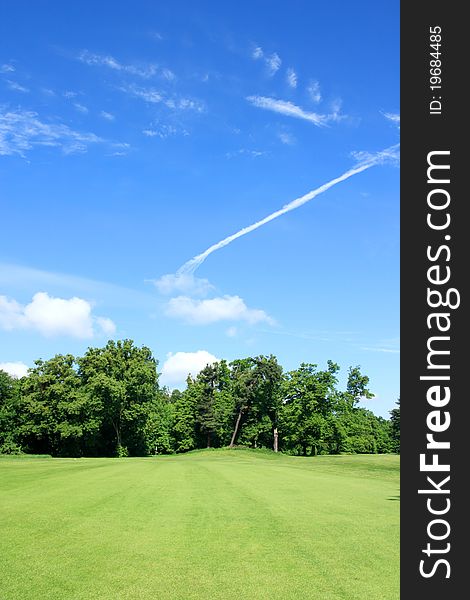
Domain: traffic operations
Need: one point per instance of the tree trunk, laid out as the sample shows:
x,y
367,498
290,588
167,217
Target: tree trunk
x,y
117,429
276,440
235,431
208,439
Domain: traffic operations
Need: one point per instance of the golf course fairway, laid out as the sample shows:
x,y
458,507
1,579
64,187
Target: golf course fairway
x,y
216,524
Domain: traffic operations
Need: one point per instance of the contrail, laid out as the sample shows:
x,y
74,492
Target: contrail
x,y
369,160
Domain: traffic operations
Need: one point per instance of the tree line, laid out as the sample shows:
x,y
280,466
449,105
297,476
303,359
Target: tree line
x,y
109,402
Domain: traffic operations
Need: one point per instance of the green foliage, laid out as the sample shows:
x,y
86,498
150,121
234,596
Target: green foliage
x,y
122,452
9,414
109,403
395,427
58,416
122,380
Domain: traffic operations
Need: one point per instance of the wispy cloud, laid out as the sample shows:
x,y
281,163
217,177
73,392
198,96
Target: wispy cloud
x,y
52,316
119,149
163,131
246,152
81,108
7,68
378,349
291,78
286,138
154,96
27,280
106,115
187,284
313,90
213,310
16,87
366,161
257,53
22,130
393,117
289,109
168,75
145,71
389,155
148,94
272,61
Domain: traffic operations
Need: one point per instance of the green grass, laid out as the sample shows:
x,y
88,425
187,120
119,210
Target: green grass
x,y
206,525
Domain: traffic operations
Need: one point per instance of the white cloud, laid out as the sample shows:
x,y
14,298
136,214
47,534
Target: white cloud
x,y
313,90
68,94
154,96
286,138
287,108
29,279
23,130
16,87
107,326
81,108
145,71
52,316
164,131
178,366
291,77
386,350
246,152
226,308
7,68
15,369
148,94
232,332
393,117
106,115
389,155
10,313
168,75
188,284
121,149
335,108
273,62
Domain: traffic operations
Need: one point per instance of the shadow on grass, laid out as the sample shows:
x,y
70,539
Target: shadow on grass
x,y
397,498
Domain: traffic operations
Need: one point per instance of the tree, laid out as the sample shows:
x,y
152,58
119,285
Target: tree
x,y
255,384
214,405
309,401
395,427
356,387
58,417
124,379
9,414
184,418
159,424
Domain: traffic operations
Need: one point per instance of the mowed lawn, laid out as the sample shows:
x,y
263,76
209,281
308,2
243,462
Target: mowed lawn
x,y
222,524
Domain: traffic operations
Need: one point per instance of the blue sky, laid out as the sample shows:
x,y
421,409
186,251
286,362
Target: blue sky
x,y
134,136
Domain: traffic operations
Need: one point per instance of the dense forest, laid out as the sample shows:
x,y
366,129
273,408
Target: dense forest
x,y
109,403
